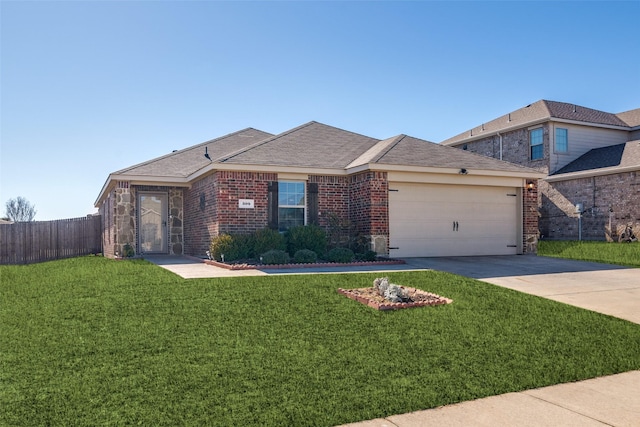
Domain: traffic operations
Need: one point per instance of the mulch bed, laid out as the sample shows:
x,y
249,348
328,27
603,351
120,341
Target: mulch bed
x,y
246,266
370,297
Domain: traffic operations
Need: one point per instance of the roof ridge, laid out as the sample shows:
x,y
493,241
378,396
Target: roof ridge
x,y
373,153
395,141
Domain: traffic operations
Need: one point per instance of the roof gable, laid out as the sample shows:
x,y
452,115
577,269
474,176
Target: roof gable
x,y
631,117
310,145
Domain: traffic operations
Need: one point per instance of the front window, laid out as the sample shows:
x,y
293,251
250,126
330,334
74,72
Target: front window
x,y
562,145
535,142
291,204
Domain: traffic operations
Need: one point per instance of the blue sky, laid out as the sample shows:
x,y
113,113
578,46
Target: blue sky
x,y
90,87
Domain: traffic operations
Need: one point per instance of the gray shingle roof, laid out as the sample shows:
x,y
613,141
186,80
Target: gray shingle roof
x,y
183,163
537,112
615,156
407,150
310,145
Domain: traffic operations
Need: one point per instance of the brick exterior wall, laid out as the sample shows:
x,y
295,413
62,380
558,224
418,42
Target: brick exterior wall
x,y
211,207
333,198
369,208
556,201
610,202
515,148
530,218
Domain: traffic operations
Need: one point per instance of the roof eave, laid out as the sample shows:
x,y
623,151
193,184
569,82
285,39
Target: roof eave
x,y
592,172
531,174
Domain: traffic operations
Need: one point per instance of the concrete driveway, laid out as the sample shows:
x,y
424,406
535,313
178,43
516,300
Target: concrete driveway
x,y
604,288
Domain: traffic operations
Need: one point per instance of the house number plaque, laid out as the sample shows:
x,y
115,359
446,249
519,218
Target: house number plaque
x,y
245,203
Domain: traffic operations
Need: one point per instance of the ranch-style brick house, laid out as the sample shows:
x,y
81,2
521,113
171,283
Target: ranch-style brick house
x,y
590,158
406,196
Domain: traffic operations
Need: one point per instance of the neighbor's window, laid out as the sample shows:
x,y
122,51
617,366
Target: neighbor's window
x,y
535,141
562,145
291,203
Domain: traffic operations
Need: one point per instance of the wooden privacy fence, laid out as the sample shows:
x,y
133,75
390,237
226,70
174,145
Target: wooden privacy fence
x,y
36,241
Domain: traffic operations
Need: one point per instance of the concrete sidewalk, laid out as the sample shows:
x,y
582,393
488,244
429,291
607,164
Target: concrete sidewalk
x,y
606,401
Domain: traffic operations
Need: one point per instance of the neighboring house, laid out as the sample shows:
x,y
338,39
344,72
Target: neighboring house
x,y
406,196
591,159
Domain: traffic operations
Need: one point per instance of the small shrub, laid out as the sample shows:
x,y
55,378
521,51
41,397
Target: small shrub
x,y
340,255
310,237
232,247
275,256
366,256
304,256
128,251
267,239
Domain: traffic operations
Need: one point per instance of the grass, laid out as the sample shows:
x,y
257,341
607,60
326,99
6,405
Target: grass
x,y
90,341
609,253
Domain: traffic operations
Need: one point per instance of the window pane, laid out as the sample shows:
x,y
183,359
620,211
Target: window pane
x,y
290,217
537,151
561,140
535,141
291,193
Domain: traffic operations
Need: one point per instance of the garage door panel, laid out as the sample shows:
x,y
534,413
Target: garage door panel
x,y
422,218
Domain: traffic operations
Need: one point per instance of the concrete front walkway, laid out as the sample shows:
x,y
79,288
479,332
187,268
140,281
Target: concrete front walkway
x,y
607,401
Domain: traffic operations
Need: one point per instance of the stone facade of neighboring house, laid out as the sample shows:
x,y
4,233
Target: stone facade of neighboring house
x,y
313,174
591,159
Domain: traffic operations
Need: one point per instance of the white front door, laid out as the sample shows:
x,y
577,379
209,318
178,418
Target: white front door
x,y
152,220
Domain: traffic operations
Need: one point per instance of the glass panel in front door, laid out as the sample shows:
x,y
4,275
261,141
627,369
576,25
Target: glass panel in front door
x,y
153,223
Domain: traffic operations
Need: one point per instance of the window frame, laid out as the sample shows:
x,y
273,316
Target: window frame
x,y
539,144
566,141
302,206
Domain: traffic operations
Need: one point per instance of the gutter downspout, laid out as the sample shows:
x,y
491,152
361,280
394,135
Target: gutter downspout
x,y
500,136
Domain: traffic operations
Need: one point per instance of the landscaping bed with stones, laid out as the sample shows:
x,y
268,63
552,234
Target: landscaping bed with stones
x,y
252,266
386,296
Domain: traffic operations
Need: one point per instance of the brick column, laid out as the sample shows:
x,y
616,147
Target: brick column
x,y
530,218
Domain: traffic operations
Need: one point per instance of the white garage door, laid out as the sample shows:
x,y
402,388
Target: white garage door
x,y
428,220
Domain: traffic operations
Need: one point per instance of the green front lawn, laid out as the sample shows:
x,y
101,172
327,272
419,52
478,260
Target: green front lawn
x,y
609,253
90,341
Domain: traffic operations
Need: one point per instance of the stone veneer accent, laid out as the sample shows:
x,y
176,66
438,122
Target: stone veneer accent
x,y
119,228
118,225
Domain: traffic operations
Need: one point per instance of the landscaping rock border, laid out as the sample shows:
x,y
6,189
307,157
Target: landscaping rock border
x,y
310,265
368,296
